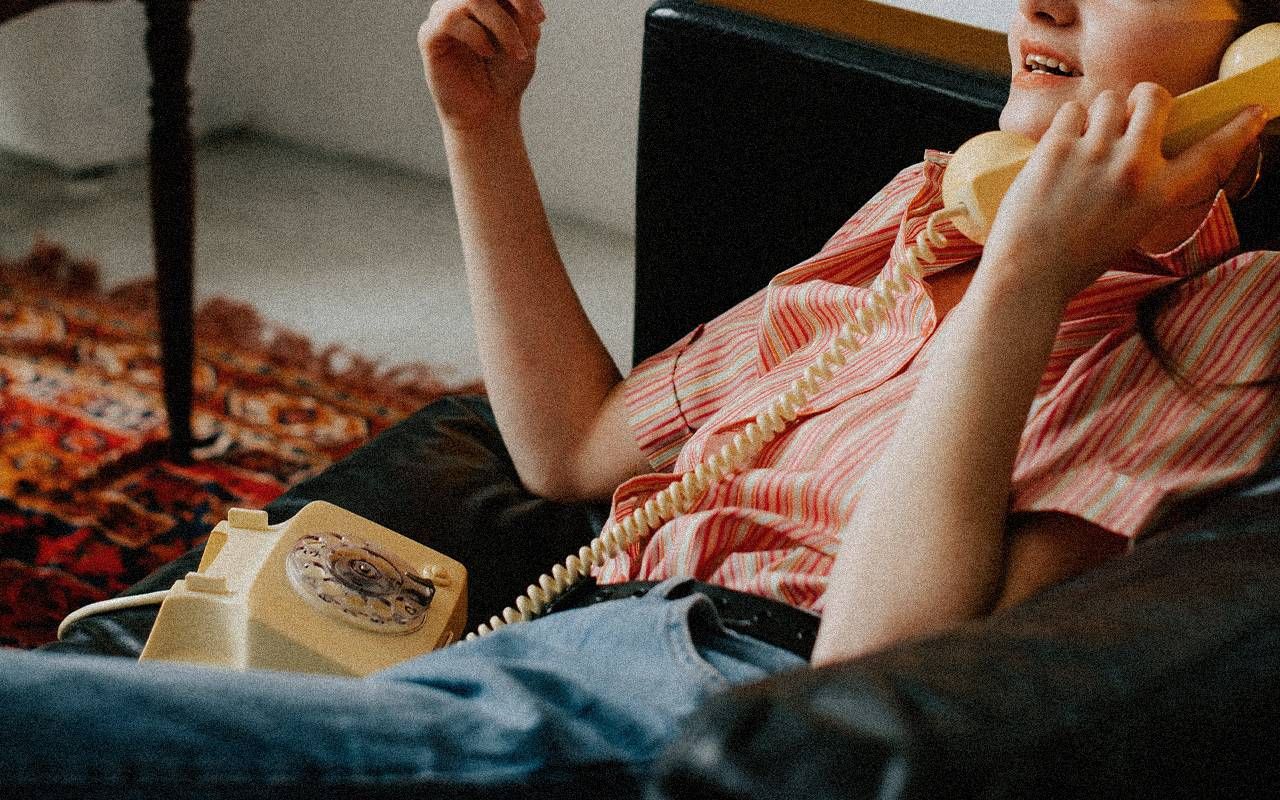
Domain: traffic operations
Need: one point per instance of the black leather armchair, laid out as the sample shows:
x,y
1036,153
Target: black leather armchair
x,y
1155,677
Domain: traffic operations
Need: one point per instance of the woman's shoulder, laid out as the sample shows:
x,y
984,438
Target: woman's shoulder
x,y
1229,316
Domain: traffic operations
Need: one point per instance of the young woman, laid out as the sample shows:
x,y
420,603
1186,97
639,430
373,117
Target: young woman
x,y
1096,188
1005,428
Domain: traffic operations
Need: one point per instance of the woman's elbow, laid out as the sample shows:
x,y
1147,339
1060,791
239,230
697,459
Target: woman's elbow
x,y
548,483
560,482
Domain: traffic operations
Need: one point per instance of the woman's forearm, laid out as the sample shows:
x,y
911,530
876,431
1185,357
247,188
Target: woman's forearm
x,y
924,547
545,368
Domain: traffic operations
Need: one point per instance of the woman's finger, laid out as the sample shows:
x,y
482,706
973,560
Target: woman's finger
x,y
1107,120
499,23
1150,104
529,9
1213,158
1069,122
473,35
529,16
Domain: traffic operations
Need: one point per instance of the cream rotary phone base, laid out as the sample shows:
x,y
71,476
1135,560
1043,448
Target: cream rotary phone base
x,y
327,591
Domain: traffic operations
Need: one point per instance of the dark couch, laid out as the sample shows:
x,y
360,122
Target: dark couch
x,y
1157,676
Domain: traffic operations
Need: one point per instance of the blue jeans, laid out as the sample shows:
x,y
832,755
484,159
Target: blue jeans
x,y
598,687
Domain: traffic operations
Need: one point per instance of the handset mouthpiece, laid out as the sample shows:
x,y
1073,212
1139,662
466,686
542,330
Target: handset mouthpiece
x,y
978,176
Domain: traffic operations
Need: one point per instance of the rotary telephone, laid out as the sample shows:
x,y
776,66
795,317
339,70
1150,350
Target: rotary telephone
x,y
329,591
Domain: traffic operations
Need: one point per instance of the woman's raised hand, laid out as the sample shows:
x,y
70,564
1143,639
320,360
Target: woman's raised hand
x,y
1098,182
479,57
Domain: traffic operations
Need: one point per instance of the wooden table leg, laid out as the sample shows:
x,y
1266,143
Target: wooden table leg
x,y
169,43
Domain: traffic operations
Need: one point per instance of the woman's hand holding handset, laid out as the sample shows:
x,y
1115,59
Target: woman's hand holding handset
x,y
1098,182
479,57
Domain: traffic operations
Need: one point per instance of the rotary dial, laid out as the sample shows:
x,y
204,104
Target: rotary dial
x,y
344,576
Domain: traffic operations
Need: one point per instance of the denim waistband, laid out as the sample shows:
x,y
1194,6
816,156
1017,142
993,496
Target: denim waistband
x,y
761,618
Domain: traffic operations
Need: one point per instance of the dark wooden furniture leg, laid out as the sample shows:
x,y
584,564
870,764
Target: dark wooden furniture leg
x,y
169,42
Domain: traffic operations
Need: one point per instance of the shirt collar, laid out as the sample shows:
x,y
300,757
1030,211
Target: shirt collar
x,y
1214,241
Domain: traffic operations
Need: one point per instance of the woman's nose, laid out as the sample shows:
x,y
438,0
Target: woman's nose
x,y
1052,12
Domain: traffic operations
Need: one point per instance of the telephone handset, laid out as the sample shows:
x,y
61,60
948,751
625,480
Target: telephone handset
x,y
331,592
983,169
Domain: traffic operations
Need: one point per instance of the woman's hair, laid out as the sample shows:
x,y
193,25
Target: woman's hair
x,y
1256,216
1257,219
1256,12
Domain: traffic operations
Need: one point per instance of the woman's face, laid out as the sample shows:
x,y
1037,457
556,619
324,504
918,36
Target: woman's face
x,y
1110,44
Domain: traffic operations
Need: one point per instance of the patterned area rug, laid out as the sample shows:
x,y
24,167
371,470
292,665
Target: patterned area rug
x,y
88,506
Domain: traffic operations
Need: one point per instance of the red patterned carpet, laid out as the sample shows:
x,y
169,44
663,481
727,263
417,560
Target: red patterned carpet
x,y
86,506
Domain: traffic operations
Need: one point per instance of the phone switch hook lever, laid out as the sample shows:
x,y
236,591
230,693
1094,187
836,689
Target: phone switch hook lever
x,y
208,584
248,519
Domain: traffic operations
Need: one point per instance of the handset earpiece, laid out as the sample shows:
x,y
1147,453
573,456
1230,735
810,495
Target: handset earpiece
x,y
983,169
1249,74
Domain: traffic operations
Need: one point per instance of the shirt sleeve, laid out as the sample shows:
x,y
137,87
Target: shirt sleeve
x,y
669,395
1117,439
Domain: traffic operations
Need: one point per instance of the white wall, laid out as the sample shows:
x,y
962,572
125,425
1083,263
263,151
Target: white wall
x,y
73,81
334,75
343,76
989,14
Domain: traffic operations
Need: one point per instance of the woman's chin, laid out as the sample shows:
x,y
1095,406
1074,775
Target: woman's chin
x,y
1031,123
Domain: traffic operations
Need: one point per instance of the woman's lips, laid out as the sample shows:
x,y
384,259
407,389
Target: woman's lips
x,y
1041,80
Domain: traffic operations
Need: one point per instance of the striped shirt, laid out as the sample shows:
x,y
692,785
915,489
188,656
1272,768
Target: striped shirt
x,y
1109,438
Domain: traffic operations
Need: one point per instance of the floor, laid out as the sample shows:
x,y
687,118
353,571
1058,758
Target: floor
x,y
343,251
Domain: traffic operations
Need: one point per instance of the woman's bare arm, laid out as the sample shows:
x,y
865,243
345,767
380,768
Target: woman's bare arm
x,y
554,388
924,548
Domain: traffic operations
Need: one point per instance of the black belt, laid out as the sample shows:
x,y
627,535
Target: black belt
x,y
770,621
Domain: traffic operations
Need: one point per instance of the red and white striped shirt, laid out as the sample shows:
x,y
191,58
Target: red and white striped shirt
x,y
1110,438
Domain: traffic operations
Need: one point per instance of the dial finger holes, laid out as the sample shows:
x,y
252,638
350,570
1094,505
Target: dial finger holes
x,y
346,577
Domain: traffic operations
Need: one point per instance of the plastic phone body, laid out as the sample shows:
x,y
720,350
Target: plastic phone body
x,y
326,591
983,169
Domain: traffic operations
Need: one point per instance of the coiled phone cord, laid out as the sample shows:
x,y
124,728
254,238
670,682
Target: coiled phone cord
x,y
681,495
